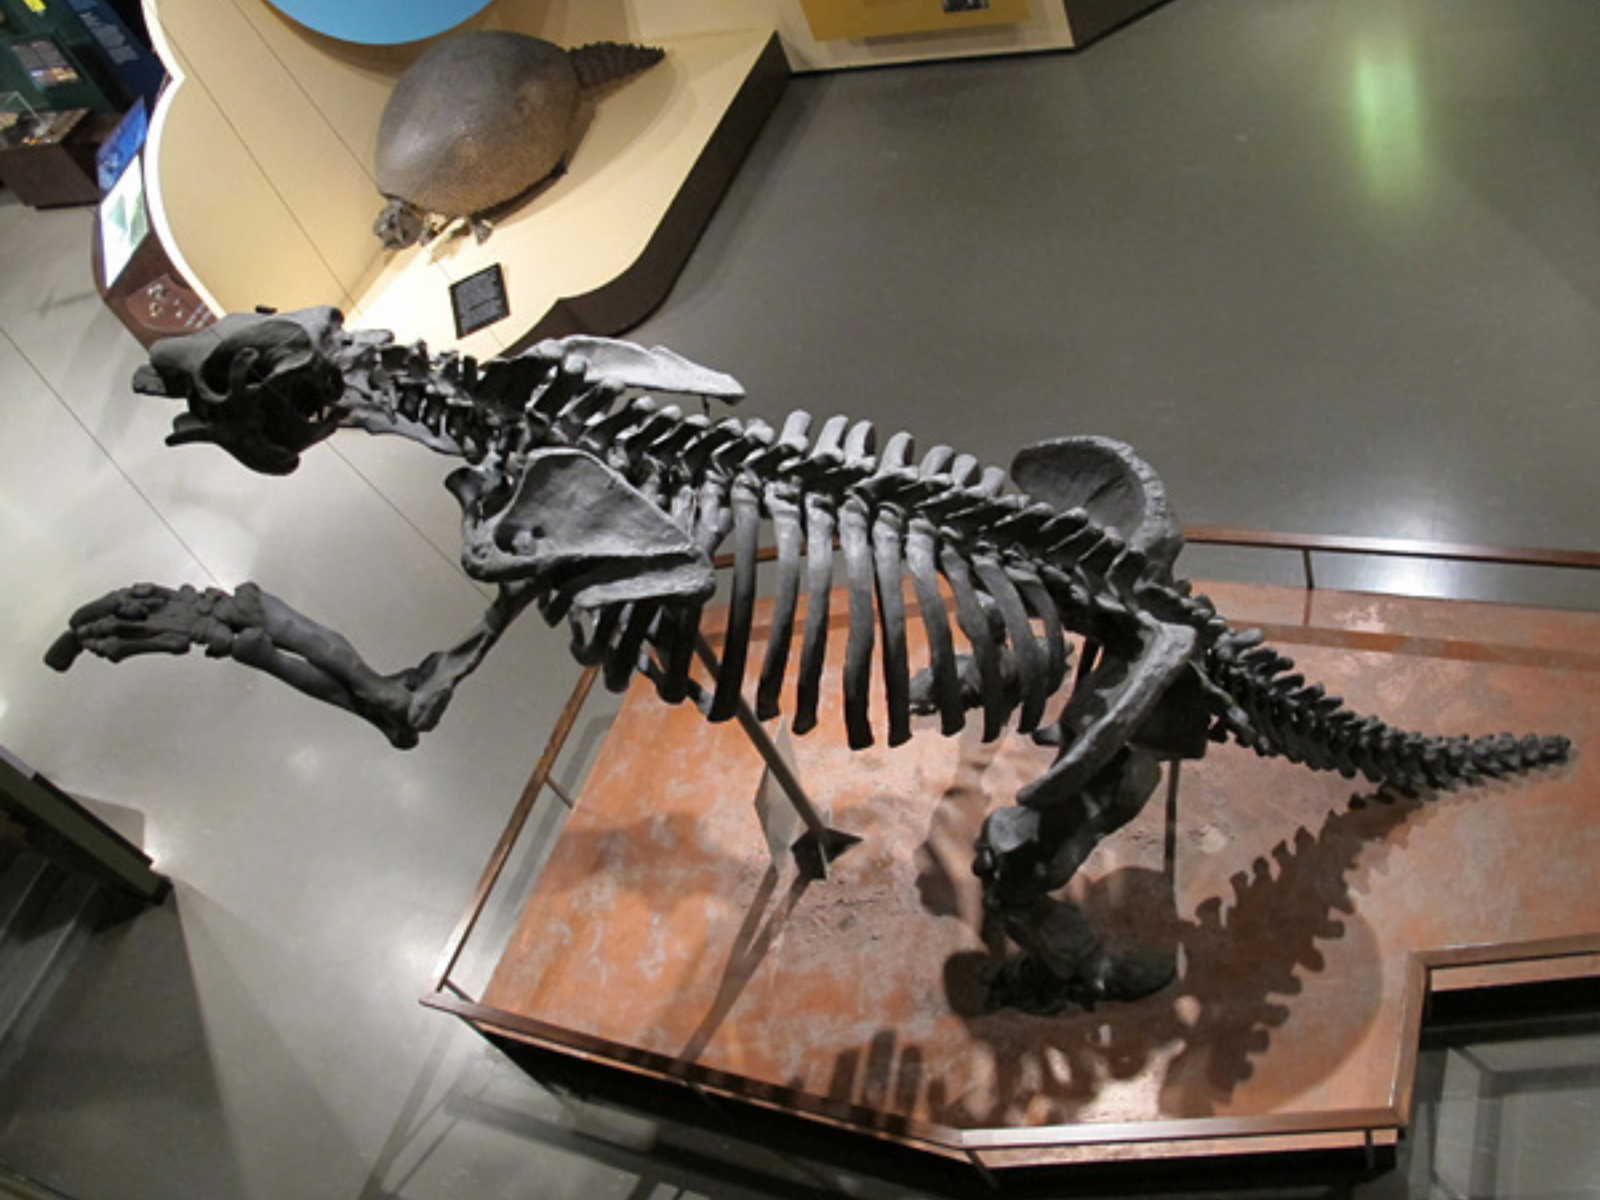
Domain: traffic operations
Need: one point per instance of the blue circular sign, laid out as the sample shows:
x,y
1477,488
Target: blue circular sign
x,y
380,22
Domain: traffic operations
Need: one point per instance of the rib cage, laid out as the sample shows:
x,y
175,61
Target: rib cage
x,y
1021,575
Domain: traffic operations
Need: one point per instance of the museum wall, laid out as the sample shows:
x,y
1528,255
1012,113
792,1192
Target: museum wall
x,y
261,168
261,164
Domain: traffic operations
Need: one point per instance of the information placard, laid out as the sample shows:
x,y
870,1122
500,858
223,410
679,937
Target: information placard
x,y
479,300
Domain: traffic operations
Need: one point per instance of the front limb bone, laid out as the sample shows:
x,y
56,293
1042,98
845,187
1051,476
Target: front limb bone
x,y
257,629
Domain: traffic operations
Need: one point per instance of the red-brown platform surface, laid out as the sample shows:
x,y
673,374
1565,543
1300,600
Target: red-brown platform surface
x,y
1310,915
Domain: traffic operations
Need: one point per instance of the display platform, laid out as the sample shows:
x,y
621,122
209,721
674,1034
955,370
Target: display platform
x,y
670,935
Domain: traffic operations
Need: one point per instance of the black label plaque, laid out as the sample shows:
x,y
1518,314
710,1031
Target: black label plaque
x,y
479,300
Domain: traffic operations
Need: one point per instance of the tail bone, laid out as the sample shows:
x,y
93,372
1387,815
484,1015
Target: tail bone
x,y
1277,713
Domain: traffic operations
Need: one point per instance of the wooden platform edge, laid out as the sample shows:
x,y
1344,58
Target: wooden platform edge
x,y
1363,1130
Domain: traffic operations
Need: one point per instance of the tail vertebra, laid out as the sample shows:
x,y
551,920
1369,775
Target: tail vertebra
x,y
1278,713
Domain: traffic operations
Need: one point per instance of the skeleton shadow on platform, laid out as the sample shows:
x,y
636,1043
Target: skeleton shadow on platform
x,y
1243,955
769,914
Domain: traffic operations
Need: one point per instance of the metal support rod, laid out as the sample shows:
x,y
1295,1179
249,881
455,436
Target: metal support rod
x,y
561,793
1311,578
1174,769
770,754
513,830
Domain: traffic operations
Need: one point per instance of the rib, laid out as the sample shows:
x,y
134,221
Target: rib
x,y
789,536
820,523
888,528
819,583
677,627
921,554
624,659
857,547
974,623
1044,609
741,604
1029,658
886,549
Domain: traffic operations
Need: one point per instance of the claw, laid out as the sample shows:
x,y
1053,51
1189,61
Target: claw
x,y
63,651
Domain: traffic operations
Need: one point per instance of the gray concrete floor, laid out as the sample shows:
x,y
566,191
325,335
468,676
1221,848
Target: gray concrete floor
x,y
1332,265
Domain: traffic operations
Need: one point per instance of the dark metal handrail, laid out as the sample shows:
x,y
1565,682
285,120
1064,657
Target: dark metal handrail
x,y
1309,543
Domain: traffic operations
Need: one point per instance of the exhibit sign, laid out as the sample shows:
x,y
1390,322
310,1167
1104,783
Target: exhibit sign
x,y
124,221
121,146
479,300
839,20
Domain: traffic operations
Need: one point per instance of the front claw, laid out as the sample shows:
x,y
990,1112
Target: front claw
x,y
252,628
149,619
63,651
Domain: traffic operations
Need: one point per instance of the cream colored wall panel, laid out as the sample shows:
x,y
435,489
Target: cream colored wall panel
x,y
323,184
850,20
347,84
573,21
684,20
304,110
274,198
1048,27
224,222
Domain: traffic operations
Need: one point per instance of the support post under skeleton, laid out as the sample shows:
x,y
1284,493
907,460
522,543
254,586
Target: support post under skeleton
x,y
828,843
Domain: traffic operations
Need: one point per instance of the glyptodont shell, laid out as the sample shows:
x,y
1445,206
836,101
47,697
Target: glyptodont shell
x,y
483,117
477,120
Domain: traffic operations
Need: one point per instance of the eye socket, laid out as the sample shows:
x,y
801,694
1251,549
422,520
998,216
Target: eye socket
x,y
216,373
